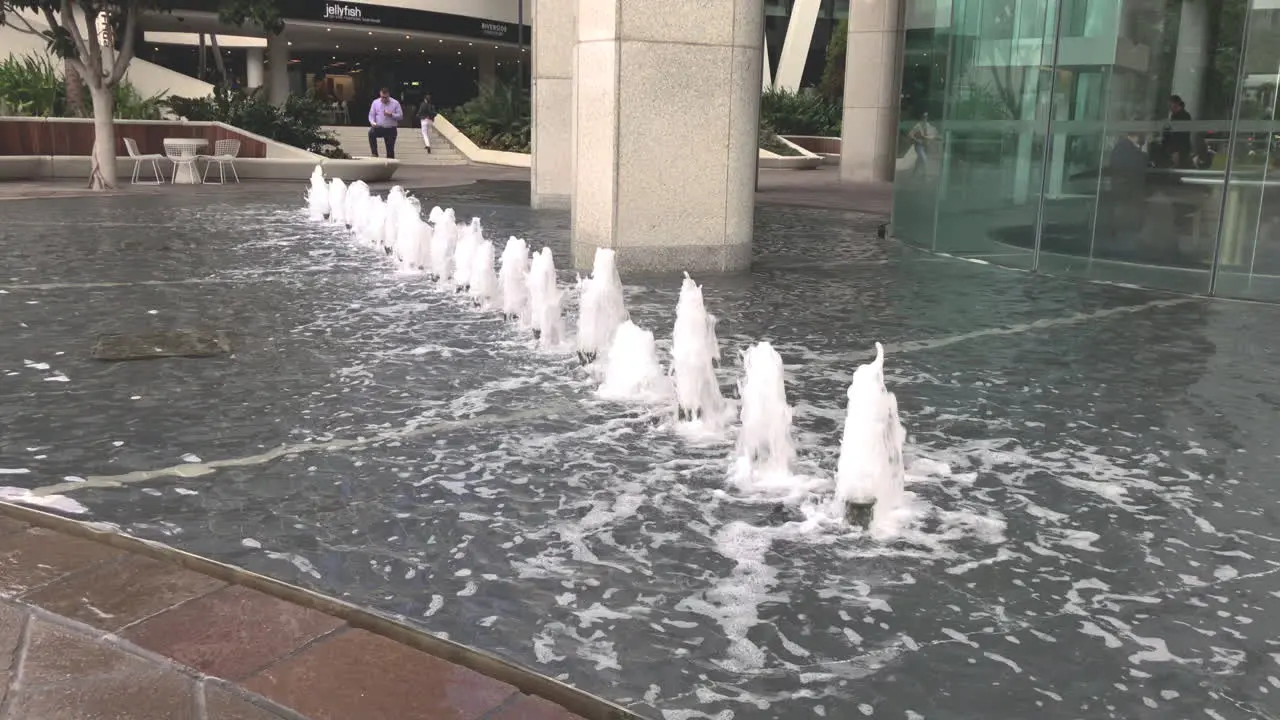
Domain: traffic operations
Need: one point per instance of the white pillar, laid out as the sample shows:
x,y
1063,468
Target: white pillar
x,y
278,60
667,134
872,90
555,32
1192,57
255,69
795,47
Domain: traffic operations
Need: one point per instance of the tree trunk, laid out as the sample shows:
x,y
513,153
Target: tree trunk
x,y
75,90
103,175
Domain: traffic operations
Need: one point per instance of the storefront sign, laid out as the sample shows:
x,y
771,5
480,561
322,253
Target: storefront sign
x,y
346,12
385,16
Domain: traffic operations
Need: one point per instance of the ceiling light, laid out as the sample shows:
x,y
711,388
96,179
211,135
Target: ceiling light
x,y
406,37
290,42
328,29
471,43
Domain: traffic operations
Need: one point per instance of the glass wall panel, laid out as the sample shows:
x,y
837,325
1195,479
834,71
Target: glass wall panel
x,y
1135,186
920,148
993,131
1249,251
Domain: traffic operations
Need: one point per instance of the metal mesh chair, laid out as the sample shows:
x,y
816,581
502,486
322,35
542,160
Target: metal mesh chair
x,y
184,154
224,154
138,158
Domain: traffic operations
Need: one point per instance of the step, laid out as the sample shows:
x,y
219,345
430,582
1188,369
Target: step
x,y
409,151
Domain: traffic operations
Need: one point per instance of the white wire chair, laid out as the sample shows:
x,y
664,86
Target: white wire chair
x,y
138,158
224,154
184,154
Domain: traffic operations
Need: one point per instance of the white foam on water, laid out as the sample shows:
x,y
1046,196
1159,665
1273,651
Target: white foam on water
x,y
61,503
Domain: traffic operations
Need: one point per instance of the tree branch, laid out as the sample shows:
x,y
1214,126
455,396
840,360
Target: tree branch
x,y
28,30
125,54
73,30
91,26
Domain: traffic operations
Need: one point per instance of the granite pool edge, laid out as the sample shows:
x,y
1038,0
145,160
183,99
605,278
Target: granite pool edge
x,y
529,682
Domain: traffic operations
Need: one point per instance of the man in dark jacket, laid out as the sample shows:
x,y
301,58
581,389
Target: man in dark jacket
x,y
1176,144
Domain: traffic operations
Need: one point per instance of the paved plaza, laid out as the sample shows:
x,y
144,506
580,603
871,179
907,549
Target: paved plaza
x,y
1090,465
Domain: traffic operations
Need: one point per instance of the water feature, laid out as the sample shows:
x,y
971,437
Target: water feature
x,y
545,301
870,475
469,237
318,196
765,448
1107,501
513,280
443,244
484,279
695,351
633,372
357,198
338,201
601,308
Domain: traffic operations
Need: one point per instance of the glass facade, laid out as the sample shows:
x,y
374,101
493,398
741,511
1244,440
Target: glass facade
x,y
1132,141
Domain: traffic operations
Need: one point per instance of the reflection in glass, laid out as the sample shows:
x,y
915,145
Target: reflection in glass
x,y
1126,140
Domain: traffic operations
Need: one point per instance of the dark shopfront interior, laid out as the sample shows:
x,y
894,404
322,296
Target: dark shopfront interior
x,y
355,78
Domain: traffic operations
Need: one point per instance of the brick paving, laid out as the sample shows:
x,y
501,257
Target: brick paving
x,y
93,629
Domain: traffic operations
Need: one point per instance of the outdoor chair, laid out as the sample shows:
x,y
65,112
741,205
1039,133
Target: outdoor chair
x,y
138,158
224,154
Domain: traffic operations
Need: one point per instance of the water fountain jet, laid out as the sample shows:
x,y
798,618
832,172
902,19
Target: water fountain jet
x,y
318,196
765,449
513,280
632,370
870,473
695,350
602,307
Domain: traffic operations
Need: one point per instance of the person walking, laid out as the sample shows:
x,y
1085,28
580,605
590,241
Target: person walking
x,y
426,116
384,117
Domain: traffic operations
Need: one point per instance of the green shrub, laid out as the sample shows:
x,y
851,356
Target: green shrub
x,y
298,123
803,113
831,86
33,86
499,118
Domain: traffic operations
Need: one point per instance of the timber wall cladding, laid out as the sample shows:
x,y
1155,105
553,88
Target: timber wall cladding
x,y
40,137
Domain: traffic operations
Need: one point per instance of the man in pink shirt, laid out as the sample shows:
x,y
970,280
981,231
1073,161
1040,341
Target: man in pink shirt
x,y
384,117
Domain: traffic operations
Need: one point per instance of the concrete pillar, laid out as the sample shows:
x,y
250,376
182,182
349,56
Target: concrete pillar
x,y
667,94
1191,62
278,61
872,90
255,69
487,65
555,32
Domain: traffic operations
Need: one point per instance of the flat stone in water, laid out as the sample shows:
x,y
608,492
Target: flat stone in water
x,y
175,343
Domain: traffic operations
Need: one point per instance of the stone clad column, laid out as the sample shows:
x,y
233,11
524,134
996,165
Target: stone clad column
x,y
554,35
666,136
278,69
872,89
254,68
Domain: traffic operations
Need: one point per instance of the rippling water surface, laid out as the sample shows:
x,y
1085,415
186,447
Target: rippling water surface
x,y
1093,467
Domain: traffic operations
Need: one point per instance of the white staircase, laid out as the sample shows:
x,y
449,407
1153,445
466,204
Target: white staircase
x,y
409,150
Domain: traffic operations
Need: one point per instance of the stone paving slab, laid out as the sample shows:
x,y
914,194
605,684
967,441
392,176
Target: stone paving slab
x,y
89,631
